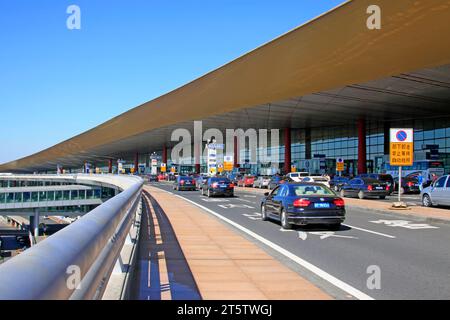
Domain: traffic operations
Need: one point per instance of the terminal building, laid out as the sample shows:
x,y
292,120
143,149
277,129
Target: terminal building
x,y
333,87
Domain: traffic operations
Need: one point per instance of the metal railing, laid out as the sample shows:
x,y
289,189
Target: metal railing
x,y
76,262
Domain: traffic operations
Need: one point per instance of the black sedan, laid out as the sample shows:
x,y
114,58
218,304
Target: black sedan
x,y
184,183
365,188
302,204
215,186
409,185
337,182
153,178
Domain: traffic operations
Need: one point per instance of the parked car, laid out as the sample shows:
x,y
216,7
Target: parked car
x,y
383,177
337,182
302,204
153,178
275,181
365,187
184,183
218,186
161,177
246,181
318,179
409,185
297,176
438,193
261,182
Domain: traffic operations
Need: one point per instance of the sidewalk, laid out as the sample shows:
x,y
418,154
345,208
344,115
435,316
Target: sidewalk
x,y
224,264
429,214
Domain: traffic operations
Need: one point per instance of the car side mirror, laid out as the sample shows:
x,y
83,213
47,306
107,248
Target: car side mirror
x,y
266,194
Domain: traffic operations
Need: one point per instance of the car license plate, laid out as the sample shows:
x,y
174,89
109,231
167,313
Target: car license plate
x,y
379,188
223,186
321,205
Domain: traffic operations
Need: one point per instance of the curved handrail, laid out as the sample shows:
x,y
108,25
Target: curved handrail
x,y
84,251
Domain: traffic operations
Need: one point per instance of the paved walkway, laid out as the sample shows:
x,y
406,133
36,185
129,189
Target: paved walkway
x,y
224,264
431,214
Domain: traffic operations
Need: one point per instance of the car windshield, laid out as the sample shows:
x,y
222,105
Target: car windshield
x,y
186,178
308,190
294,175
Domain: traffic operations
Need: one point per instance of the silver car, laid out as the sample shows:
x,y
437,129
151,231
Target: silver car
x,y
261,182
438,193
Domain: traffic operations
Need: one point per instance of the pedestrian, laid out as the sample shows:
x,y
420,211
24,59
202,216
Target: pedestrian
x,y
420,180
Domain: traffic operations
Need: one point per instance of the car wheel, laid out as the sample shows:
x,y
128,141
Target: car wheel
x,y
284,221
263,213
342,193
426,201
361,194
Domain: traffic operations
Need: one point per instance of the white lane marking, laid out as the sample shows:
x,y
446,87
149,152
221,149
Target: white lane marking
x,y
232,206
405,224
245,200
286,230
302,235
252,214
328,234
319,272
370,231
247,196
214,200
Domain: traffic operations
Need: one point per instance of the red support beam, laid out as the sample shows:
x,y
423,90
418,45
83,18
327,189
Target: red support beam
x,y
136,163
362,153
164,154
287,150
109,166
236,153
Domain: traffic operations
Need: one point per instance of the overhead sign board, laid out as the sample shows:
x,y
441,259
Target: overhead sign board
x,y
401,147
228,163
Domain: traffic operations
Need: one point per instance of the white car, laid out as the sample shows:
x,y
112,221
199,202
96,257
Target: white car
x,y
297,176
318,179
438,193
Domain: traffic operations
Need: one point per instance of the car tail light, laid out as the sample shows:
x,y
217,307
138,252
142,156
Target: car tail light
x,y
410,184
231,185
339,202
369,187
388,187
181,181
215,185
301,203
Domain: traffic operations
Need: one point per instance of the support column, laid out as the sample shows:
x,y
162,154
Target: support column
x,y
287,150
35,223
197,157
164,154
308,143
236,152
109,166
136,163
362,152
387,128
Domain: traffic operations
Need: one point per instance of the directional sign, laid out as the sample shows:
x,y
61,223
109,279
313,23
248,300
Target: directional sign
x,y
401,147
339,164
228,163
163,167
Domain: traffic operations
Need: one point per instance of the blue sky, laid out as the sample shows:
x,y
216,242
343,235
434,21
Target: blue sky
x,y
56,83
